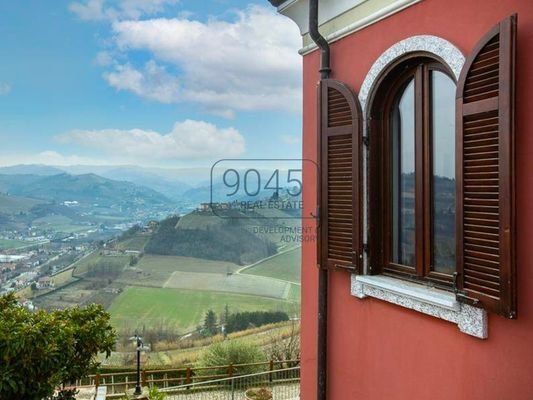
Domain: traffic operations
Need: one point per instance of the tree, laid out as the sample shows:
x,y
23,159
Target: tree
x,y
285,344
244,320
42,350
210,323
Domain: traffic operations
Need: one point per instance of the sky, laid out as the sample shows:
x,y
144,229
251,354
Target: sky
x,y
164,83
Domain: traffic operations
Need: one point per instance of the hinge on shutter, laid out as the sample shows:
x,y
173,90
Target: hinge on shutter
x,y
317,215
366,249
464,298
462,295
366,141
346,267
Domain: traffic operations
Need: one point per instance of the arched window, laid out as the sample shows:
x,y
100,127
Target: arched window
x,y
413,150
432,196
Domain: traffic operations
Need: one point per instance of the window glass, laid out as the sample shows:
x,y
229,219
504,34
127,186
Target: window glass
x,y
403,177
443,172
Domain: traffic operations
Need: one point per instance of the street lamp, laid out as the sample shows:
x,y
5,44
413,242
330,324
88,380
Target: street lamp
x,y
140,347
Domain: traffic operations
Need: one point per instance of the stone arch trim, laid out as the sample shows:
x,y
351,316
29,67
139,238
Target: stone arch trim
x,y
443,49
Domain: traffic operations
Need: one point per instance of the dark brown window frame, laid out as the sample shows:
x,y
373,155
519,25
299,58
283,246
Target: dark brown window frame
x,y
485,173
415,66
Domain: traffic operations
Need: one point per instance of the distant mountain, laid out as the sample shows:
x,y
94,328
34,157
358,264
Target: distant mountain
x,y
205,194
86,189
12,205
31,169
188,176
170,187
172,182
185,186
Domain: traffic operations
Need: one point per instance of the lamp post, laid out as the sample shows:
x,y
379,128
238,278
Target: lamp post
x,y
140,346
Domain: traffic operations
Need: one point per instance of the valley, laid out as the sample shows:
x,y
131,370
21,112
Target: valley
x,y
157,265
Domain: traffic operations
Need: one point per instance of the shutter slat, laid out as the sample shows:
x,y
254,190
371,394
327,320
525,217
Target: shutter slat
x,y
485,167
339,111
339,165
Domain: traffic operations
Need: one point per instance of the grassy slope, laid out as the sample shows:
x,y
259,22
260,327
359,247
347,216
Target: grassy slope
x,y
257,223
284,266
156,270
136,242
15,204
82,265
184,309
12,244
59,223
154,263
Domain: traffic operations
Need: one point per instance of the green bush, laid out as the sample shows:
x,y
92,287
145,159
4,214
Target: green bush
x,y
155,394
231,352
41,350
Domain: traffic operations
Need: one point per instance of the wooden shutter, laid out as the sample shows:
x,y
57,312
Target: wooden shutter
x,y
340,177
485,173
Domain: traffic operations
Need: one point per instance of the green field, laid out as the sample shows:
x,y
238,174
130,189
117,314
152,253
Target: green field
x,y
15,205
181,308
136,242
82,266
285,266
59,223
171,264
295,293
13,244
157,270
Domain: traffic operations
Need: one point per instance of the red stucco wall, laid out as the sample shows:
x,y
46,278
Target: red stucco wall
x,y
382,351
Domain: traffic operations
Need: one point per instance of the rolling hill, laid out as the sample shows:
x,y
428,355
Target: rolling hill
x,y
66,203
226,241
86,189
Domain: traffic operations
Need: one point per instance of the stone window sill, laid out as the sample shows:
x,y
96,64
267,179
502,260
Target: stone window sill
x,y
435,302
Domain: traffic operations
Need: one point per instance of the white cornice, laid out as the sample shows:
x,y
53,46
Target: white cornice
x,y
363,22
285,5
298,11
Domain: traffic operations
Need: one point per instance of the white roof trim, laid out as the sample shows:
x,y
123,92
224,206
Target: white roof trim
x,y
362,23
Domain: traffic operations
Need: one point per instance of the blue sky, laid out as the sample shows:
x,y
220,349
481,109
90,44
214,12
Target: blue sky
x,y
147,82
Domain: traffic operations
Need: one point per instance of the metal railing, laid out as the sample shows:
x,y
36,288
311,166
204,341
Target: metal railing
x,y
118,383
283,384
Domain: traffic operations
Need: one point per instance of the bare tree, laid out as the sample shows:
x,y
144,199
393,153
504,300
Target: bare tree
x,y
285,345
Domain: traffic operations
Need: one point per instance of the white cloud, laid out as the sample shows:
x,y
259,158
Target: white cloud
x,y
291,139
104,59
98,10
92,10
5,89
248,64
152,82
188,140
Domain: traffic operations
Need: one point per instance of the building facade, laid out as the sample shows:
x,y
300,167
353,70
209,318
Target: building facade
x,y
422,135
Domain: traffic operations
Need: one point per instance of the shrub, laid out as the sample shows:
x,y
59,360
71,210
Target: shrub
x,y
155,394
42,350
231,352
